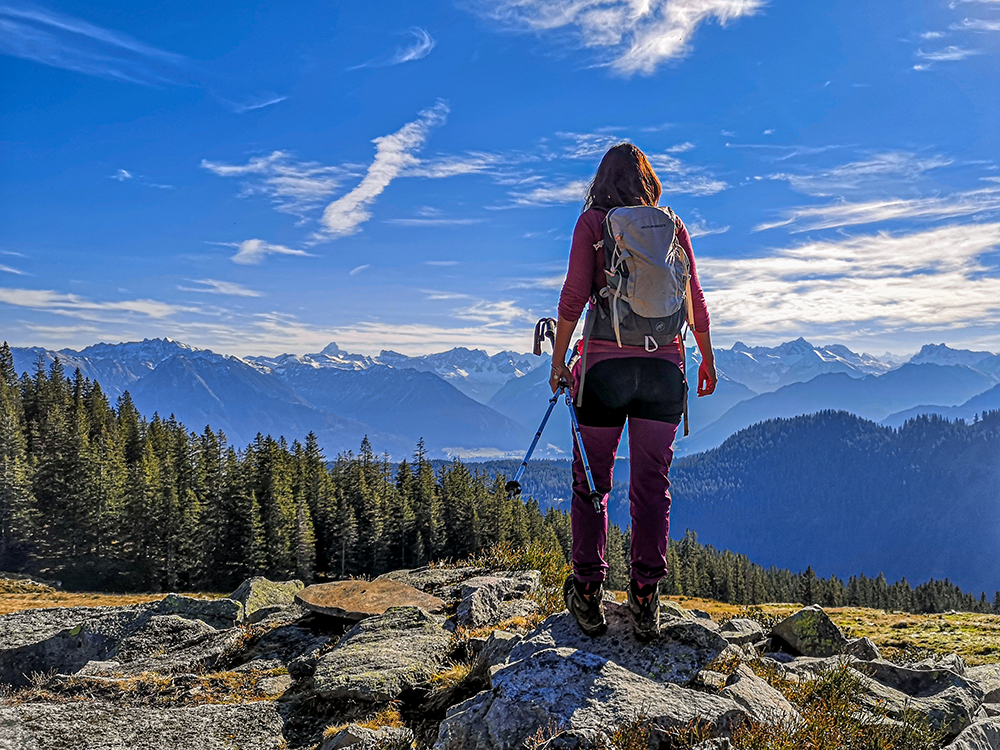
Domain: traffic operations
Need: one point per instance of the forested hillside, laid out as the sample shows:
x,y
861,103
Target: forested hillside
x,y
99,497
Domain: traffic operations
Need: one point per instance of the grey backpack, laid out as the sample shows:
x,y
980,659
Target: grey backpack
x,y
647,299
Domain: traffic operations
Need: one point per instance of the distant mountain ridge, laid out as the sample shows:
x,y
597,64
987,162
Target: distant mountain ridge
x,y
466,402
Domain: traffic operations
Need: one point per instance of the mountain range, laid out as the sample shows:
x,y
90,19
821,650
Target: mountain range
x,y
465,402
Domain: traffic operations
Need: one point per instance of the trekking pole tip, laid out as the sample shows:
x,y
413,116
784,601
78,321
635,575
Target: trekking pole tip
x,y
513,489
596,498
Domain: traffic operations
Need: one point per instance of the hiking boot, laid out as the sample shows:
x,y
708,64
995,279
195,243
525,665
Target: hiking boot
x,y
586,603
644,606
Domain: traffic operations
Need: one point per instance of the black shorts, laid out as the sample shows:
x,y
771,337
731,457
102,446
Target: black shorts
x,y
639,387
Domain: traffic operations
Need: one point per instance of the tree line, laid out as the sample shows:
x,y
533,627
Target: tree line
x,y
98,496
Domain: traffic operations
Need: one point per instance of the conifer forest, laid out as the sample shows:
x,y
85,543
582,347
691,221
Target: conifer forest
x,y
101,498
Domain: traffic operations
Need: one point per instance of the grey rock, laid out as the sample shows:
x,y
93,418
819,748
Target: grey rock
x,y
443,582
950,708
285,646
670,608
279,614
990,709
952,662
258,593
362,738
77,725
742,631
577,739
805,668
170,644
568,687
484,597
762,702
495,651
717,743
683,648
810,632
219,613
917,682
382,656
983,735
61,639
275,685
987,677
863,649
711,680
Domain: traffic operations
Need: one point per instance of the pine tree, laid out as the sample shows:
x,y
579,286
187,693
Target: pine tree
x,y
16,498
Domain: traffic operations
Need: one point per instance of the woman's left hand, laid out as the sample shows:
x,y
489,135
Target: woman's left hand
x,y
707,379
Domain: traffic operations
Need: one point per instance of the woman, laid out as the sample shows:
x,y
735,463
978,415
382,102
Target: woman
x,y
629,382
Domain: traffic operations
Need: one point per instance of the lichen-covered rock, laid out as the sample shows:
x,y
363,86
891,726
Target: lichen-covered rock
x,y
987,676
286,646
260,596
382,656
683,648
487,600
219,613
361,738
356,600
863,648
168,644
951,708
577,739
441,582
76,725
564,687
983,735
742,631
762,702
953,662
917,682
710,680
60,639
810,632
670,608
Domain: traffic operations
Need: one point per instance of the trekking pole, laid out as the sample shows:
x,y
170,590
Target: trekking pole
x,y
513,487
595,496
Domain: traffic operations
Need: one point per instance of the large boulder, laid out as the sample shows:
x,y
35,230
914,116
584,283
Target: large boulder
x,y
863,649
442,582
761,701
261,597
565,687
289,646
917,682
382,656
356,600
983,735
488,600
168,644
810,632
89,724
987,676
61,639
742,631
683,648
219,613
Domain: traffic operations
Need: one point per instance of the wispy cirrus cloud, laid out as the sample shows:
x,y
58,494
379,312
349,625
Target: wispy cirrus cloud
x,y
853,213
62,41
421,46
394,153
256,103
885,171
976,24
637,37
48,300
294,187
879,282
252,252
8,269
213,286
951,53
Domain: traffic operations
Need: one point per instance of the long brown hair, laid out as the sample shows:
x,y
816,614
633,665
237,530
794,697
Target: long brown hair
x,y
624,178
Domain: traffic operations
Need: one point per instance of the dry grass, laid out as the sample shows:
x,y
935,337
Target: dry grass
x,y
14,602
388,716
450,676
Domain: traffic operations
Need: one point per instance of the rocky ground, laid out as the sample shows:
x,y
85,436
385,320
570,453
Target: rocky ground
x,y
457,658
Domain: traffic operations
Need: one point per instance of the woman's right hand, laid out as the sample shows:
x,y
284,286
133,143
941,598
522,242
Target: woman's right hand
x,y
560,375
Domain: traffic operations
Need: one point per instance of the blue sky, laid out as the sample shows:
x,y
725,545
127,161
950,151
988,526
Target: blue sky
x,y
270,178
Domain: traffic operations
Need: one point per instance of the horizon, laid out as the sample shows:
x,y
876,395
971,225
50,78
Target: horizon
x,y
266,180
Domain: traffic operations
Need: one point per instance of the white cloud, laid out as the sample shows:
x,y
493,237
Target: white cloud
x,y
422,45
948,54
258,103
359,269
211,286
294,187
882,282
928,35
681,148
433,222
453,166
252,252
844,213
62,41
976,24
493,314
51,301
702,229
574,191
393,154
881,170
121,175
8,269
639,35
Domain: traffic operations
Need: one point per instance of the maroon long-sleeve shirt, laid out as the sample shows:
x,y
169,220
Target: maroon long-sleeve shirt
x,y
586,273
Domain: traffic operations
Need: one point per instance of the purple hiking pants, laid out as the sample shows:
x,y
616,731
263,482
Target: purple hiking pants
x,y
616,390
